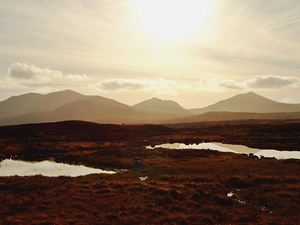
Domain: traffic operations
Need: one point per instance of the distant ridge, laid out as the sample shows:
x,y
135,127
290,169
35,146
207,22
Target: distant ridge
x,y
70,105
227,116
32,102
65,105
156,105
249,102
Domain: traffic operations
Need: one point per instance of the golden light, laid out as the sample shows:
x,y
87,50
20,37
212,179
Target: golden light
x,y
174,19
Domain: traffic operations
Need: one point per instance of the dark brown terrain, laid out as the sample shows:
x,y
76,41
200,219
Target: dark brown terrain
x,y
182,186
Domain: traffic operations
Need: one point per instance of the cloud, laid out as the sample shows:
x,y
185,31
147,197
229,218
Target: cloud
x,y
217,84
123,84
161,85
29,74
76,77
273,82
9,83
288,100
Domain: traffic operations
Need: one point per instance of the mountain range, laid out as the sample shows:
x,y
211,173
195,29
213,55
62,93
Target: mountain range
x,y
70,105
249,102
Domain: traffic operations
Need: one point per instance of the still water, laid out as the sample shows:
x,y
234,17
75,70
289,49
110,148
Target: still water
x,y
9,167
233,148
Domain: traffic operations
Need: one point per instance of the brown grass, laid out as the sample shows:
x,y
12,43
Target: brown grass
x,y
183,186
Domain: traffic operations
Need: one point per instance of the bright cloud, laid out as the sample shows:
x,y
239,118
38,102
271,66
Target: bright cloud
x,y
30,74
217,84
123,84
288,100
273,82
77,77
8,83
161,85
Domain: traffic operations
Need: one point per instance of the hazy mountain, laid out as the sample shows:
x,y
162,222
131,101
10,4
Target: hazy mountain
x,y
32,102
159,106
249,102
225,116
36,117
96,109
66,105
17,105
70,105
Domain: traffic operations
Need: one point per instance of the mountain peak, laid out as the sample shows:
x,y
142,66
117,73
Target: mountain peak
x,y
64,92
156,105
157,102
156,99
248,102
252,94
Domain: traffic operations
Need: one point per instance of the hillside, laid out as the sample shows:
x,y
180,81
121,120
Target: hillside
x,y
93,110
227,116
159,106
33,102
63,105
249,102
70,105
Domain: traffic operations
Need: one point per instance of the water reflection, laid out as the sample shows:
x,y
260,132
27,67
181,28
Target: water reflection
x,y
233,148
9,167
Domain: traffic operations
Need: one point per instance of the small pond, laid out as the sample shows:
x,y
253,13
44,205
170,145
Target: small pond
x,y
9,167
233,148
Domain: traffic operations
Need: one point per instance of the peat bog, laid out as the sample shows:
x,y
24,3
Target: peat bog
x,y
182,186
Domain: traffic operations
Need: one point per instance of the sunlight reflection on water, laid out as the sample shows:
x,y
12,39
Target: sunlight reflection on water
x,y
232,148
9,167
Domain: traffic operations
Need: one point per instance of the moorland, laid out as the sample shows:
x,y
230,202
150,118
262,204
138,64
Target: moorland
x,y
165,187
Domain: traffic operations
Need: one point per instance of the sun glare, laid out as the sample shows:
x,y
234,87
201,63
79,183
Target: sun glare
x,y
174,19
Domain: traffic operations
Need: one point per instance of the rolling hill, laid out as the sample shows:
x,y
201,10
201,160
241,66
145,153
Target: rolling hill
x,y
159,106
32,102
249,102
226,116
65,105
70,105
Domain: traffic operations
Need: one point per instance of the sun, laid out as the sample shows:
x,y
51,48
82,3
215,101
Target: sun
x,y
173,19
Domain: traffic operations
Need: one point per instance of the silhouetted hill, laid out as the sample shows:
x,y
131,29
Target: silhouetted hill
x,y
70,105
97,109
66,105
81,131
32,102
249,102
159,106
17,105
226,116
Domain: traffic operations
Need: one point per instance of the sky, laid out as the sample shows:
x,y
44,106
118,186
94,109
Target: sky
x,y
195,52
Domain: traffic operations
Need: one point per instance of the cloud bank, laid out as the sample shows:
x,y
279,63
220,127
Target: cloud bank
x,y
31,73
273,82
23,74
217,84
30,77
161,85
28,74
